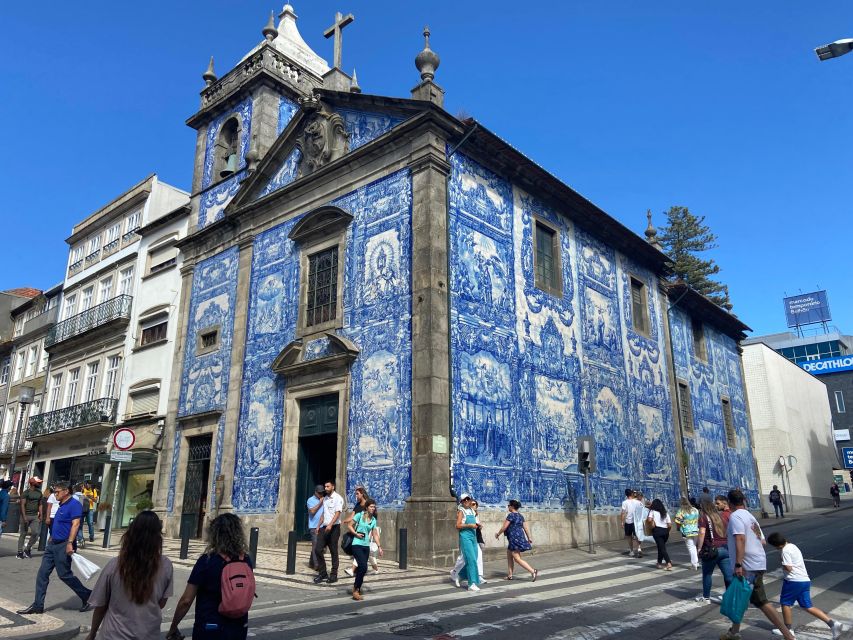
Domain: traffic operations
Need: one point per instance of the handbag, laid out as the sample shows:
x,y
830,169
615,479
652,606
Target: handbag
x,y
736,599
346,543
648,527
708,550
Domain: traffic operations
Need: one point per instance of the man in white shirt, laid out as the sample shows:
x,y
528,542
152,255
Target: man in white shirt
x,y
628,508
746,553
329,534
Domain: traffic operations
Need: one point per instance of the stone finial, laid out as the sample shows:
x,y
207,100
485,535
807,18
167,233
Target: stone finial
x,y
651,232
269,31
354,88
252,155
427,61
209,76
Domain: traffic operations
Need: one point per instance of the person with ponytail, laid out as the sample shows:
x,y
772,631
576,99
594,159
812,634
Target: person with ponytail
x,y
133,588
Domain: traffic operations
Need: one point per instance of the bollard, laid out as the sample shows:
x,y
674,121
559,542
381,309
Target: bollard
x,y
42,537
185,543
291,553
253,544
108,529
403,548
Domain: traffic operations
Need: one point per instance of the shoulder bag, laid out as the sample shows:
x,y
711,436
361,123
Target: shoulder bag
x,y
708,551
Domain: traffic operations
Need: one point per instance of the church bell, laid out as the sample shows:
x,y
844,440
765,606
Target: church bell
x,y
230,166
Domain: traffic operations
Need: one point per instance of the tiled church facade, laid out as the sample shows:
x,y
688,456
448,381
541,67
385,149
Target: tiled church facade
x,y
454,372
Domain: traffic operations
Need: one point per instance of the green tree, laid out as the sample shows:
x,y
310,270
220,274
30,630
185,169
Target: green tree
x,y
684,238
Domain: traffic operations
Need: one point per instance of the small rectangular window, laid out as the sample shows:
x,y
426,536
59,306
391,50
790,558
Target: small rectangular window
x,y
91,381
19,325
639,307
110,376
208,340
154,333
839,402
19,365
546,259
55,391
699,339
4,375
322,303
32,358
71,389
144,402
162,259
729,423
70,306
125,281
87,298
685,407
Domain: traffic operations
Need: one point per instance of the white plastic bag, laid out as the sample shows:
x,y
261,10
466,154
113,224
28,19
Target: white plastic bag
x,y
84,568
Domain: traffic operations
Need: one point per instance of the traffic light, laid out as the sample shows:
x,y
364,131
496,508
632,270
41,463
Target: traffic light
x,y
586,454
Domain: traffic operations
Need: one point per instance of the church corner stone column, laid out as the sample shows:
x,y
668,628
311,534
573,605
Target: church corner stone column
x,y
672,375
430,511
235,376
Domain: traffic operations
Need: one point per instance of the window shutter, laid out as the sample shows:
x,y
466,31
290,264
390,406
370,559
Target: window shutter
x,y
144,402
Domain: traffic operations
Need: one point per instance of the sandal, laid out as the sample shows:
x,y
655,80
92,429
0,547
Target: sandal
x,y
535,575
508,578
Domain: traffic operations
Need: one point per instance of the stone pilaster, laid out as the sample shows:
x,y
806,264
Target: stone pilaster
x,y
672,377
164,460
235,377
430,510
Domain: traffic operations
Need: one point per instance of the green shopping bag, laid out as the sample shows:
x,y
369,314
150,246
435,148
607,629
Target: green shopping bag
x,y
736,599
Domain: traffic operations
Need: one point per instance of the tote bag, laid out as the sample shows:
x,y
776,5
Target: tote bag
x,y
736,599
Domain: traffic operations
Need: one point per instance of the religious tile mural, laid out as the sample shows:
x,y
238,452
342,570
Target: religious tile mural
x,y
204,376
711,462
363,126
377,319
285,174
213,201
243,111
287,108
531,371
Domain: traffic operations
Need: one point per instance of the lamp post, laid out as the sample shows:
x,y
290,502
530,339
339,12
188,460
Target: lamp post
x,y
25,397
834,49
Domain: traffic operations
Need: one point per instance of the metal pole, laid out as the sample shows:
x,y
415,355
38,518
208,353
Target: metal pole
x,y
291,553
403,548
107,530
253,544
21,411
588,511
108,523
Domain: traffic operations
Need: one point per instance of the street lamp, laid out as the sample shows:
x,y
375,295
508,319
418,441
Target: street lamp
x,y
25,397
834,49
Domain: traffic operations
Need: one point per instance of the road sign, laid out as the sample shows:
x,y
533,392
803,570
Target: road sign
x,y
124,439
847,456
121,456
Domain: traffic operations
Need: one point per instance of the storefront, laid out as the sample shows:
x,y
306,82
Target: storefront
x,y
136,487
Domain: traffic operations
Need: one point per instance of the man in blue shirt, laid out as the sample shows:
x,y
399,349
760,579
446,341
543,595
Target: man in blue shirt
x,y
60,548
4,503
315,514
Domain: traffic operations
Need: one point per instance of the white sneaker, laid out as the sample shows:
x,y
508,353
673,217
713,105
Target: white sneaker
x,y
631,554
483,580
703,599
716,599
348,572
776,632
838,628
456,581
473,587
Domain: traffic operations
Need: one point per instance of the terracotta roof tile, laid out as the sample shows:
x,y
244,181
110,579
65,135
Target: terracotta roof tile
x,y
23,292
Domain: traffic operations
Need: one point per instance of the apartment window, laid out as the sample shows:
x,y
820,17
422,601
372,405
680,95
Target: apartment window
x,y
55,391
546,259
143,401
44,358
32,358
71,389
94,245
4,373
162,258
639,307
86,298
19,325
154,333
91,381
133,221
76,254
208,340
19,365
322,302
113,233
111,376
105,289
685,407
70,306
729,423
839,402
699,339
125,281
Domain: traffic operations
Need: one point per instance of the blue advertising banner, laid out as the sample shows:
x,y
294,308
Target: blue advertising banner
x,y
828,365
847,455
807,308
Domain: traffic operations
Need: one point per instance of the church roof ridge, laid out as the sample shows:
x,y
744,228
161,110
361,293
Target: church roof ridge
x,y
290,42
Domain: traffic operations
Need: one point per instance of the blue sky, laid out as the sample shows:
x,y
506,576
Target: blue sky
x,y
723,108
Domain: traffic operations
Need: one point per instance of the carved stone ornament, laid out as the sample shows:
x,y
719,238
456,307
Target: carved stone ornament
x,y
323,140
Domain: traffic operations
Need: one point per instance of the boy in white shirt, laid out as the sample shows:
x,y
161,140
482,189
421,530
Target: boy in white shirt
x,y
797,586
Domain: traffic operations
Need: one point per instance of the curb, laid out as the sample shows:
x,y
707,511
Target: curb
x,y
65,633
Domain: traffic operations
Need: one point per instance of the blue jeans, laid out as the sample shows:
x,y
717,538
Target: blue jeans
x,y
779,508
90,520
55,558
722,561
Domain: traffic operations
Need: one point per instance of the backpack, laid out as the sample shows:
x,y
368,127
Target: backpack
x,y
237,587
86,504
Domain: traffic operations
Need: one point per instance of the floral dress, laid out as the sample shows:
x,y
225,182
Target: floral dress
x,y
515,532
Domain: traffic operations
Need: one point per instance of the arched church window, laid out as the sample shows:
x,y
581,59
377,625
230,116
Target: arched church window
x,y
228,148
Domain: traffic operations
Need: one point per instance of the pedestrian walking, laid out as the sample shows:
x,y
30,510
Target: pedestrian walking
x,y
58,552
32,507
713,548
746,553
226,545
628,523
329,534
722,504
315,516
835,492
460,561
51,504
132,589
796,586
91,493
661,523
84,502
466,525
776,501
363,528
705,496
641,512
4,504
518,540
361,499
687,521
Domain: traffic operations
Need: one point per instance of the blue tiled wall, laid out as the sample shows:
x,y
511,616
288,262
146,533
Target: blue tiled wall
x,y
363,126
287,108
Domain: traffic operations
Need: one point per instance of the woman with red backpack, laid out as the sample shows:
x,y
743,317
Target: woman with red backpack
x,y
222,584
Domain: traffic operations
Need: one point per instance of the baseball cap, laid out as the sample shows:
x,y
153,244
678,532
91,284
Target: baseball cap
x,y
464,496
35,480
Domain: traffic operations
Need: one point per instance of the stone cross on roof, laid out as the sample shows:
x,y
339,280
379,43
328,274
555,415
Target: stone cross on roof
x,y
335,30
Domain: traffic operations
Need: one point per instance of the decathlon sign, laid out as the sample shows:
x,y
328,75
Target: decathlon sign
x,y
829,365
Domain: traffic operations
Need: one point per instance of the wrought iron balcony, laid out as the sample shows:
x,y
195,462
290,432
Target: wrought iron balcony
x,y
101,411
8,439
117,308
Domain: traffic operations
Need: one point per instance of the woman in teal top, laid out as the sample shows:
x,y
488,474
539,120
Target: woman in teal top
x,y
363,528
687,520
466,524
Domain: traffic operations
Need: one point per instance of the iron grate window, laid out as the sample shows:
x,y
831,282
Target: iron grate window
x,y
322,303
729,423
639,313
685,409
546,268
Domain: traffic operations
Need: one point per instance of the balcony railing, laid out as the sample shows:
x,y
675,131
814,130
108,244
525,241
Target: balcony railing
x,y
74,267
130,236
117,308
42,320
92,258
8,439
101,411
111,247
